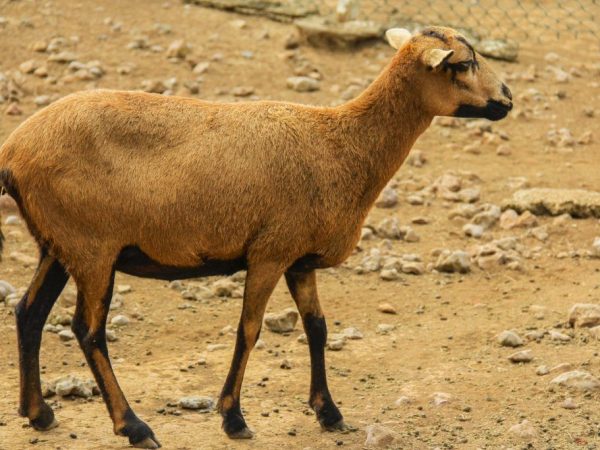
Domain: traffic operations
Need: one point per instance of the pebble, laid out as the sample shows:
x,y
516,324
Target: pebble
x,y
6,289
120,320
387,199
13,110
440,398
196,403
352,333
558,336
178,49
42,100
215,347
542,370
473,230
384,328
455,261
201,67
523,356
242,91
584,315
386,308
303,84
413,267
66,335
71,385
523,430
578,380
596,247
594,331
111,335
569,403
336,345
389,274
282,322
379,436
509,338
224,287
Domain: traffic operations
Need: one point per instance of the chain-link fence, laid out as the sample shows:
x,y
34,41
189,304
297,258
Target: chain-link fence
x,y
514,19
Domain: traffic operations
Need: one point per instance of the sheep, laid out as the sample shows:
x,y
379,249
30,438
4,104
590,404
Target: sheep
x,y
172,188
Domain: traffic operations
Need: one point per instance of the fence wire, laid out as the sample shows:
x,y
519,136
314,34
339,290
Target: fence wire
x,y
520,20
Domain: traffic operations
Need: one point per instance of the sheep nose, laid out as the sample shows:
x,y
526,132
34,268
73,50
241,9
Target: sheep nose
x,y
506,91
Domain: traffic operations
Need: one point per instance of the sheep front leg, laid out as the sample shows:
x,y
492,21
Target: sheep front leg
x,y
89,325
260,281
303,287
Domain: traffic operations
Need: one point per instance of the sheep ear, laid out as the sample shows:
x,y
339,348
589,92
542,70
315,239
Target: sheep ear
x,y
397,37
435,57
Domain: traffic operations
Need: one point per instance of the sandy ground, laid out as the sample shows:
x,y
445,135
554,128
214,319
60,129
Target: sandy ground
x,y
445,326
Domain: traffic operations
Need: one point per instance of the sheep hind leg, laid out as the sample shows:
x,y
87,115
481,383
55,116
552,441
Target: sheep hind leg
x,y
89,325
260,282
31,314
303,287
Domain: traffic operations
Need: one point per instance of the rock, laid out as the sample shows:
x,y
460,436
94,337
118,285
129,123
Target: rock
x,y
523,430
379,436
416,158
569,403
64,57
509,338
510,219
473,230
524,356
498,49
282,322
386,308
594,332
596,248
352,333
584,315
303,84
385,328
111,336
242,91
215,347
542,370
29,66
13,110
390,228
196,403
544,201
66,335
328,33
413,267
71,385
12,220
403,400
178,49
387,199
577,380
372,262
201,67
389,275
440,398
224,287
303,339
335,345
456,261
558,336
273,9
120,320
6,289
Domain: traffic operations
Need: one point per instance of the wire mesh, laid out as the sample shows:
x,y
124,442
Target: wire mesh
x,y
493,19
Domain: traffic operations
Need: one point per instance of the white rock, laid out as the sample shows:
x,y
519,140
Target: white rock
x,y
120,320
569,403
352,333
196,402
385,328
6,289
473,230
379,436
303,84
71,385
335,345
578,380
558,336
456,261
387,199
440,398
509,338
66,335
523,356
584,315
215,347
389,275
12,220
596,248
523,430
282,322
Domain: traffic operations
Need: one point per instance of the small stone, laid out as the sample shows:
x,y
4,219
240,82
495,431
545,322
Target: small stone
x,y
403,400
120,320
384,328
29,66
594,331
523,430
201,67
66,335
386,308
456,261
224,287
64,57
558,336
13,110
12,220
524,356
472,230
379,436
282,322
352,333
196,403
215,347
42,100
578,380
389,274
111,336
242,91
584,315
303,84
6,289
413,267
509,338
542,370
285,364
596,248
71,385
387,199
569,403
390,228
335,345
440,398
178,49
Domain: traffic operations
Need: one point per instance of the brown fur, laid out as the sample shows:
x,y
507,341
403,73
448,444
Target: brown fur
x,y
188,181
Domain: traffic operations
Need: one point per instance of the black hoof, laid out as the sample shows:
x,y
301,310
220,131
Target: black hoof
x,y
140,435
235,425
330,417
45,420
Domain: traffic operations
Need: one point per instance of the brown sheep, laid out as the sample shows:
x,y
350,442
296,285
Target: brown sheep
x,y
171,187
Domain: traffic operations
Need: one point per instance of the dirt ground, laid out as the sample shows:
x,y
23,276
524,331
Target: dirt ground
x,y
444,338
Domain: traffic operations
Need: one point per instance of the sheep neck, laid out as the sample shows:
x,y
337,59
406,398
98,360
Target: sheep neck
x,y
383,124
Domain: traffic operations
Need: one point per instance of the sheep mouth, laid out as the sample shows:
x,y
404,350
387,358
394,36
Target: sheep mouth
x,y
493,110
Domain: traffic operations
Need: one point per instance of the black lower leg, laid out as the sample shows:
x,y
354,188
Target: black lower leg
x,y
31,314
320,400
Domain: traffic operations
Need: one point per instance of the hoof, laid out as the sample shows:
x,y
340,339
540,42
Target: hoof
x,y
244,433
147,443
340,425
45,420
